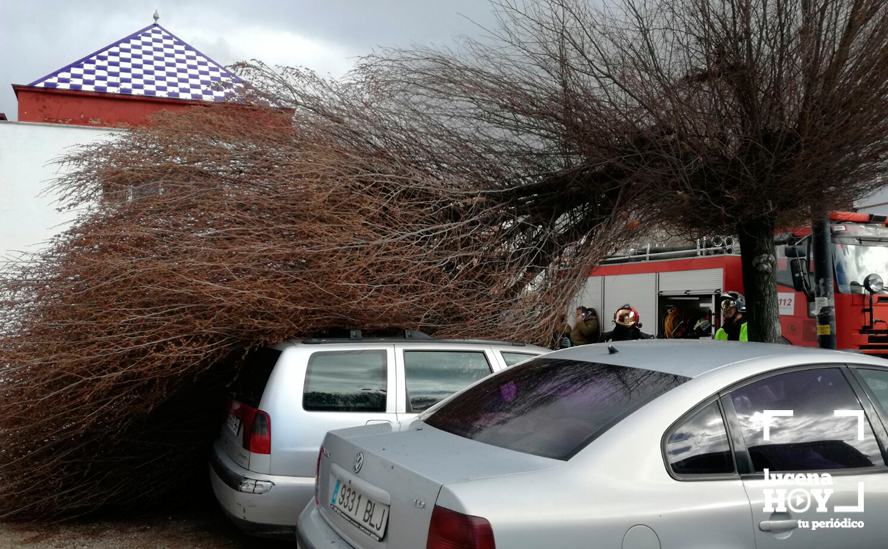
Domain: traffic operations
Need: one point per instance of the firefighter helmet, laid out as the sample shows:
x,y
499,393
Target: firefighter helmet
x,y
732,299
627,316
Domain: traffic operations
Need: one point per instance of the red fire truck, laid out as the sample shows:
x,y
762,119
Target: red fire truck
x,y
690,278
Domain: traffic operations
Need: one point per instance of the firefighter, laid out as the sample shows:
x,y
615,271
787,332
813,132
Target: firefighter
x,y
627,326
733,306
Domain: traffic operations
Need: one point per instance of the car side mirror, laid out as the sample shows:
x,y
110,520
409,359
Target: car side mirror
x,y
798,266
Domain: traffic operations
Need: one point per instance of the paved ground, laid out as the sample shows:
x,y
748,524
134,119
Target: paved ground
x,y
204,528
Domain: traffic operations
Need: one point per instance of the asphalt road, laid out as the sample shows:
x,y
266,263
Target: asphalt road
x,y
204,527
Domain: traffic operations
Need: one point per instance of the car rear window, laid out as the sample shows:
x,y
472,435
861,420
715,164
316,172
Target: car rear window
x,y
253,375
550,407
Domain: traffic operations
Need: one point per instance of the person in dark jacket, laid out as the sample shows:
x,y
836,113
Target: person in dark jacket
x,y
585,331
627,326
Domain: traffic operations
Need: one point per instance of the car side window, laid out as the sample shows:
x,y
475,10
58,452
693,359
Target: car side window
x,y
877,381
815,436
435,375
699,445
512,359
346,381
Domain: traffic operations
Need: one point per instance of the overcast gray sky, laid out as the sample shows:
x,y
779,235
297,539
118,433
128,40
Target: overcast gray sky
x,y
38,37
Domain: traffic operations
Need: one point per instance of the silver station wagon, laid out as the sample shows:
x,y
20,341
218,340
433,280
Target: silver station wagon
x,y
287,397
632,445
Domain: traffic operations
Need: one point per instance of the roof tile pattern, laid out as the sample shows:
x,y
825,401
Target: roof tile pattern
x,y
150,62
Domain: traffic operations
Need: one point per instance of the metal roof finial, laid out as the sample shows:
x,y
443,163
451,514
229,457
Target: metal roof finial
x,y
156,16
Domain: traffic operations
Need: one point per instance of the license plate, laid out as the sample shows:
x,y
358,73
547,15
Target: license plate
x,y
369,516
233,424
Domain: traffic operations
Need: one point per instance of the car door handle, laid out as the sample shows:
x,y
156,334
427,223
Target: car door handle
x,y
778,526
377,421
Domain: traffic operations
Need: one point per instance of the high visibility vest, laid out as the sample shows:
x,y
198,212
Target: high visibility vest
x,y
722,335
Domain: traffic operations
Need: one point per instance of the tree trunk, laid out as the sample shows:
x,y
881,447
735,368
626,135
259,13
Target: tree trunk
x,y
759,259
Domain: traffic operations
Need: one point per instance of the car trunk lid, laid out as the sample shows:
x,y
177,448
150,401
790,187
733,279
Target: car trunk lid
x,y
400,471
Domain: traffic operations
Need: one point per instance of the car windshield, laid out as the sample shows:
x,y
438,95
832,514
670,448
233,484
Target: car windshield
x,y
550,407
854,262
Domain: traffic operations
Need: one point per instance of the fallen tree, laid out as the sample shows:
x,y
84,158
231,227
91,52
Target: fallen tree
x,y
211,232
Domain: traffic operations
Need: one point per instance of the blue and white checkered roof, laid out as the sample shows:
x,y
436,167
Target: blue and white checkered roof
x,y
150,62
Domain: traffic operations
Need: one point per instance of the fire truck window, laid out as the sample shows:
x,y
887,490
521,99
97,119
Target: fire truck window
x,y
784,273
854,262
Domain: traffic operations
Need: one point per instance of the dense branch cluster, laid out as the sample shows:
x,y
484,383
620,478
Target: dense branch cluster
x,y
721,111
213,232
732,117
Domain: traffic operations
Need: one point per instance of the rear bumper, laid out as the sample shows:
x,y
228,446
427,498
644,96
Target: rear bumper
x,y
272,514
313,532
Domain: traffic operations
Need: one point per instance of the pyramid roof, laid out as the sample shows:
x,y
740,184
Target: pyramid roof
x,y
150,62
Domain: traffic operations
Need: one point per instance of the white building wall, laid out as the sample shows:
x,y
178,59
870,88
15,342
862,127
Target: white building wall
x,y
28,218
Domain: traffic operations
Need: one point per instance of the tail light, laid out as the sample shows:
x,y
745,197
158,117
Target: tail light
x,y
260,434
452,530
256,430
318,475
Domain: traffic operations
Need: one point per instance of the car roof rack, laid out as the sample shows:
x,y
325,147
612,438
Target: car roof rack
x,y
405,335
356,335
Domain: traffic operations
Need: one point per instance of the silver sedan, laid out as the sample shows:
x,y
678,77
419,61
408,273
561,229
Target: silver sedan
x,y
633,445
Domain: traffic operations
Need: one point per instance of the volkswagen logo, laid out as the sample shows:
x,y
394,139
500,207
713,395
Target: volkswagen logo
x,y
359,462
